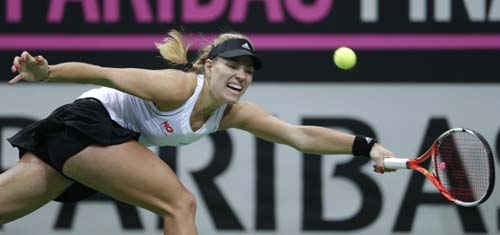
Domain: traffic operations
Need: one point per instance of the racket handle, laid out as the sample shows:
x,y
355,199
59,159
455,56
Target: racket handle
x,y
396,163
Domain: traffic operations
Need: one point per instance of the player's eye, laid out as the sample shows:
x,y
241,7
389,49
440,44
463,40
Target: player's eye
x,y
232,65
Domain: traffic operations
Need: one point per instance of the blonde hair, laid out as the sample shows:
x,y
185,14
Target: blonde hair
x,y
174,49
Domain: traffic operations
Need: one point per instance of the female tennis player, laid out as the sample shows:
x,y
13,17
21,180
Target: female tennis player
x,y
99,141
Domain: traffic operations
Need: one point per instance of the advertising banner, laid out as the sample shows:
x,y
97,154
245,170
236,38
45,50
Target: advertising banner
x,y
245,185
423,66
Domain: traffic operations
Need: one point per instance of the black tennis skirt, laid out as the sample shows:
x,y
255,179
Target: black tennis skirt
x,y
67,131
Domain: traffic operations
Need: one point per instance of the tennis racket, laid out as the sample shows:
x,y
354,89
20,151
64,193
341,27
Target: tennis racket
x,y
462,166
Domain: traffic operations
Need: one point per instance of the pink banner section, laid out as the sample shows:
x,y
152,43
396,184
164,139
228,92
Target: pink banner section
x,y
146,42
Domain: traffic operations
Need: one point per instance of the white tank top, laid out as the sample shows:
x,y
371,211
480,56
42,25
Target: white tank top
x,y
157,128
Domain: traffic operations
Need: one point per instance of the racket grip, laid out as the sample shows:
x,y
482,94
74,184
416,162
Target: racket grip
x,y
396,163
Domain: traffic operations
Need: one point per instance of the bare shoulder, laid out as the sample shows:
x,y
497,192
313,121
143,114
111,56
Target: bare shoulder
x,y
178,87
240,114
180,80
243,109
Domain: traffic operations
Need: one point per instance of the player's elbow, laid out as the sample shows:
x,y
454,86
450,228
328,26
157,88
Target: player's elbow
x,y
308,139
300,140
305,147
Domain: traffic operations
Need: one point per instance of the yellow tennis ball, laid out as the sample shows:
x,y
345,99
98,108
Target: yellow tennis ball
x,y
344,58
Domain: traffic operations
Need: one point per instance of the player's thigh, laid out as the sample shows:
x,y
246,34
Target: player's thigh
x,y
28,185
128,172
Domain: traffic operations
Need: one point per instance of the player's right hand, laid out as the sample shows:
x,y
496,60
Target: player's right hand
x,y
30,68
378,153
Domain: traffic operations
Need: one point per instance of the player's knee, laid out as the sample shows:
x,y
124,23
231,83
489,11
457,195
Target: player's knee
x,y
183,206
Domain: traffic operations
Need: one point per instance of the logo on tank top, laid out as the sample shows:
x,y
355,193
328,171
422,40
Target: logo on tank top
x,y
167,127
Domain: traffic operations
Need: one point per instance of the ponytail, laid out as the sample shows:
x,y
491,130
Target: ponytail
x,y
174,50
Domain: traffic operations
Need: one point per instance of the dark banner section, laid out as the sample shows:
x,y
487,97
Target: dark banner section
x,y
317,66
284,16
396,41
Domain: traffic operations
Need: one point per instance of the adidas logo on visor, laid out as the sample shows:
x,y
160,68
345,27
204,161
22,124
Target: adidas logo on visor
x,y
246,46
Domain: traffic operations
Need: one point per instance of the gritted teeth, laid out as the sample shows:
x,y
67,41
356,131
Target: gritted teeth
x,y
235,86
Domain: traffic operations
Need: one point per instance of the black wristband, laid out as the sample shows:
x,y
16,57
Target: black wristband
x,y
362,146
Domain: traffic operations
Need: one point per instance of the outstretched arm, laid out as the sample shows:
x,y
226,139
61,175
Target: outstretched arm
x,y
156,85
307,139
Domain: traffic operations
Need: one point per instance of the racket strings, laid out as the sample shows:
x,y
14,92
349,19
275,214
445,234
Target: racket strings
x,y
462,166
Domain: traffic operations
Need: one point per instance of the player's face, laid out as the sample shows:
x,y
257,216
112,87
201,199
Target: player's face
x,y
229,78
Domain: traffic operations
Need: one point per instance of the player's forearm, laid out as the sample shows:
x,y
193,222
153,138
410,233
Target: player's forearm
x,y
78,73
320,140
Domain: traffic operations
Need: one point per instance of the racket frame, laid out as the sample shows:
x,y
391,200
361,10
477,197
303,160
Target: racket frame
x,y
414,164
